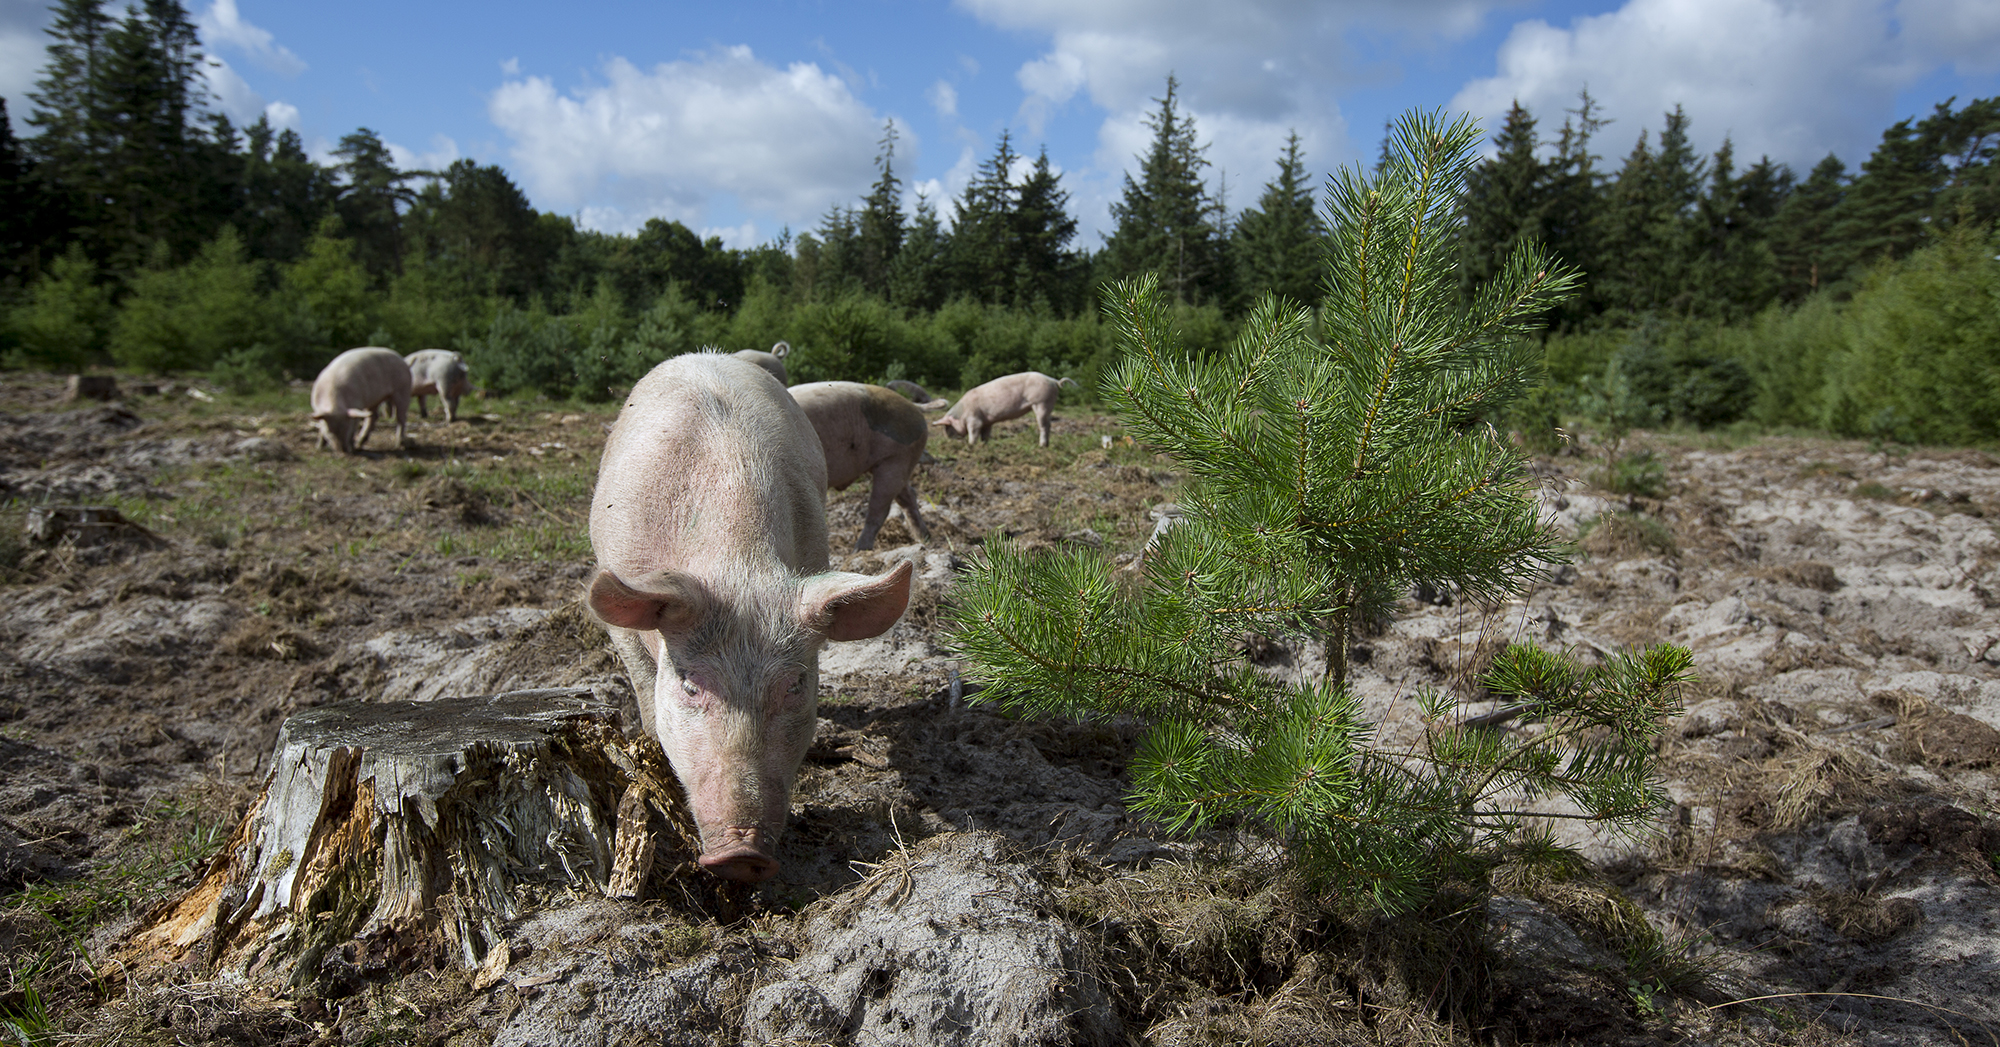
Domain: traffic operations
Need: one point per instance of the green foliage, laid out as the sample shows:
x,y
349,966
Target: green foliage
x,y
189,317
1323,478
65,322
1277,244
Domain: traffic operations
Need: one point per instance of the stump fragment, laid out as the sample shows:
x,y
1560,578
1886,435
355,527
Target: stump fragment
x,y
403,834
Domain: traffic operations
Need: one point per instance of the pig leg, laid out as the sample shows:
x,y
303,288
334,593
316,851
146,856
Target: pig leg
x,y
450,408
402,420
425,411
907,498
880,494
1043,415
367,426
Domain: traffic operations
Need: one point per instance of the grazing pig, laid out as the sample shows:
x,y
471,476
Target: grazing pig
x,y
773,361
440,373
348,389
918,395
869,429
709,525
1003,398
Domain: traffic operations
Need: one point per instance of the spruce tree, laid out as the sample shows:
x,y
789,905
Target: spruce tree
x,y
1277,245
982,234
284,194
1505,201
1734,273
1044,268
371,199
1166,222
917,276
1322,479
880,233
20,211
1571,217
1802,245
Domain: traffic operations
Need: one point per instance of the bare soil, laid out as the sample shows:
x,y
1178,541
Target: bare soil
x,y
1833,845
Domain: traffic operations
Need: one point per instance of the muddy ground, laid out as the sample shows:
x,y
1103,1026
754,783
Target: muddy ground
x,y
1832,848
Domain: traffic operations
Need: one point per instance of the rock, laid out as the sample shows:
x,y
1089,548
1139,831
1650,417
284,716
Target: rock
x,y
948,943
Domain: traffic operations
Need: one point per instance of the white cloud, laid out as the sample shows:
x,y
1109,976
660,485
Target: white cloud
x,y
233,95
510,67
1965,33
673,140
1249,72
222,25
439,156
283,115
1791,79
943,98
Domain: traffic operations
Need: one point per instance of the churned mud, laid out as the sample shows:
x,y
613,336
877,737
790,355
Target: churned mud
x,y
1832,849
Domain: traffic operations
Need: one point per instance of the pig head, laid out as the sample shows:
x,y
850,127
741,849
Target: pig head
x,y
709,526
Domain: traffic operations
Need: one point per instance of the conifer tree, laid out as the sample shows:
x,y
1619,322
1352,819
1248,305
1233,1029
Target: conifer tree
x,y
1043,266
372,196
1166,222
20,210
917,276
284,194
1647,215
982,234
1735,271
879,235
1804,254
1322,479
1505,201
1277,245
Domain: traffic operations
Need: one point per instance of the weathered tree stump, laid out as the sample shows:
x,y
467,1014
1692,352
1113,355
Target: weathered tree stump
x,y
90,386
396,835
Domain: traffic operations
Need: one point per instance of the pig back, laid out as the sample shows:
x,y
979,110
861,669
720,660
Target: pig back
x,y
360,379
711,468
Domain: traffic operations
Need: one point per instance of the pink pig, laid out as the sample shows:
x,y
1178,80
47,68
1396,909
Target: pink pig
x,y
440,373
773,361
348,389
709,524
869,429
1000,399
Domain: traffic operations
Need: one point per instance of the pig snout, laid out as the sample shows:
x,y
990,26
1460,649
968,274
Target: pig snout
x,y
741,853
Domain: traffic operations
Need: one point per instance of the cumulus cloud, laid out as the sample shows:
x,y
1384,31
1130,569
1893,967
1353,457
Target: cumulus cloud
x,y
673,140
1249,73
222,25
233,95
943,98
439,156
1791,79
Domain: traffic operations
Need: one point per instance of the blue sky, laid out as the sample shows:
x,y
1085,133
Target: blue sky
x,y
744,119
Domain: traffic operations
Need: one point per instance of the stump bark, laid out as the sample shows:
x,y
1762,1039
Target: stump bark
x,y
402,834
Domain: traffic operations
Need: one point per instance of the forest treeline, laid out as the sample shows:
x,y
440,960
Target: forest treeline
x,y
140,227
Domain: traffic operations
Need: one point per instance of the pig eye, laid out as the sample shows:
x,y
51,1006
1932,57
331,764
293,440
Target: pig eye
x,y
688,688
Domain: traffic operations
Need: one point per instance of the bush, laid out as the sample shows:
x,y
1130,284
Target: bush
x,y
189,317
65,321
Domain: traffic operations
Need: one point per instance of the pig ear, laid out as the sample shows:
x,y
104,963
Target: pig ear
x,y
855,606
666,600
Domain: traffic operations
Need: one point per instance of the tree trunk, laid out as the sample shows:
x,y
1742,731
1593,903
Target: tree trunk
x,y
395,835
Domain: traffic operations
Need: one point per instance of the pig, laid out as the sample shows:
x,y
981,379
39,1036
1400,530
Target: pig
x,y
773,361
918,394
709,528
348,389
869,429
440,373
1003,398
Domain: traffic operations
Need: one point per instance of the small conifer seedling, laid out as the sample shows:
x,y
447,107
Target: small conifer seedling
x,y
1326,475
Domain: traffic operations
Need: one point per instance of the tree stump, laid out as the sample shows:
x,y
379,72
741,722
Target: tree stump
x,y
402,834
